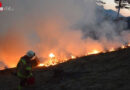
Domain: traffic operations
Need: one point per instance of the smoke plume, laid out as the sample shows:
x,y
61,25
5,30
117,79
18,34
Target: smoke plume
x,y
64,27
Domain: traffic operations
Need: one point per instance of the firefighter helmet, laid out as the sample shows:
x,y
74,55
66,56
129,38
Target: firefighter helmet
x,y
30,54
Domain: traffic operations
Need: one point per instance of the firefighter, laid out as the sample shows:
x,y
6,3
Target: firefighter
x,y
24,70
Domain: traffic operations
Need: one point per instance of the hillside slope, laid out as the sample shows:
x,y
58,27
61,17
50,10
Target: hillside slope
x,y
110,71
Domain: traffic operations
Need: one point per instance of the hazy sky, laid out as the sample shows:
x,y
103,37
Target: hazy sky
x,y
111,5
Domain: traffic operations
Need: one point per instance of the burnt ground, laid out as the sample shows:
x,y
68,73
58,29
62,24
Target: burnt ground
x,y
109,71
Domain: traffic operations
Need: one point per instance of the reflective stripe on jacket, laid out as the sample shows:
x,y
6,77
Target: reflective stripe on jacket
x,y
24,69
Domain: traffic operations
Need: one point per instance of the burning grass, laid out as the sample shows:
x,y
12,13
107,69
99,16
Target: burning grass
x,y
53,60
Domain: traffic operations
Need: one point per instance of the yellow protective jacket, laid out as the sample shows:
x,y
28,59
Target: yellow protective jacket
x,y
24,68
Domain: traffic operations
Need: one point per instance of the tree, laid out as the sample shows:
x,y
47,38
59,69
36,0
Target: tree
x,y
122,4
100,2
128,1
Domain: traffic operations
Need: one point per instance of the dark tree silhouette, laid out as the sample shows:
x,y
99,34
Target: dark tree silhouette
x,y
122,4
100,2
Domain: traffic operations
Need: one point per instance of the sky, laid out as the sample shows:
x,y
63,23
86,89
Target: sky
x,y
111,5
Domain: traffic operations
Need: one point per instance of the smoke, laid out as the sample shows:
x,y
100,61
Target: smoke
x,y
2,66
64,27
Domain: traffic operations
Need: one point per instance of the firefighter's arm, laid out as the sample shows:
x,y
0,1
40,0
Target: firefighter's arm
x,y
28,69
35,61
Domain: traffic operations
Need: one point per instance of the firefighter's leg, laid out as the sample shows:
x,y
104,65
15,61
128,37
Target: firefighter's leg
x,y
19,87
22,84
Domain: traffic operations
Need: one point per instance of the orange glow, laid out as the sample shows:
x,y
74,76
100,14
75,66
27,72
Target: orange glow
x,y
41,64
123,46
94,52
111,50
73,57
129,44
53,60
51,55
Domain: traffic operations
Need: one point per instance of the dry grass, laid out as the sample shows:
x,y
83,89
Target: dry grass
x,y
110,71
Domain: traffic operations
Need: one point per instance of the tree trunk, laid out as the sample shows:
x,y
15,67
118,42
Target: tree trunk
x,y
119,8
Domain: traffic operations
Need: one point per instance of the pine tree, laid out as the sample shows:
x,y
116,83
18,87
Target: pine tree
x,y
122,4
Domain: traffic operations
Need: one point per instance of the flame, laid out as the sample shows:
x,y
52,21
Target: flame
x,y
51,55
52,60
123,46
111,50
93,52
129,44
73,57
41,64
